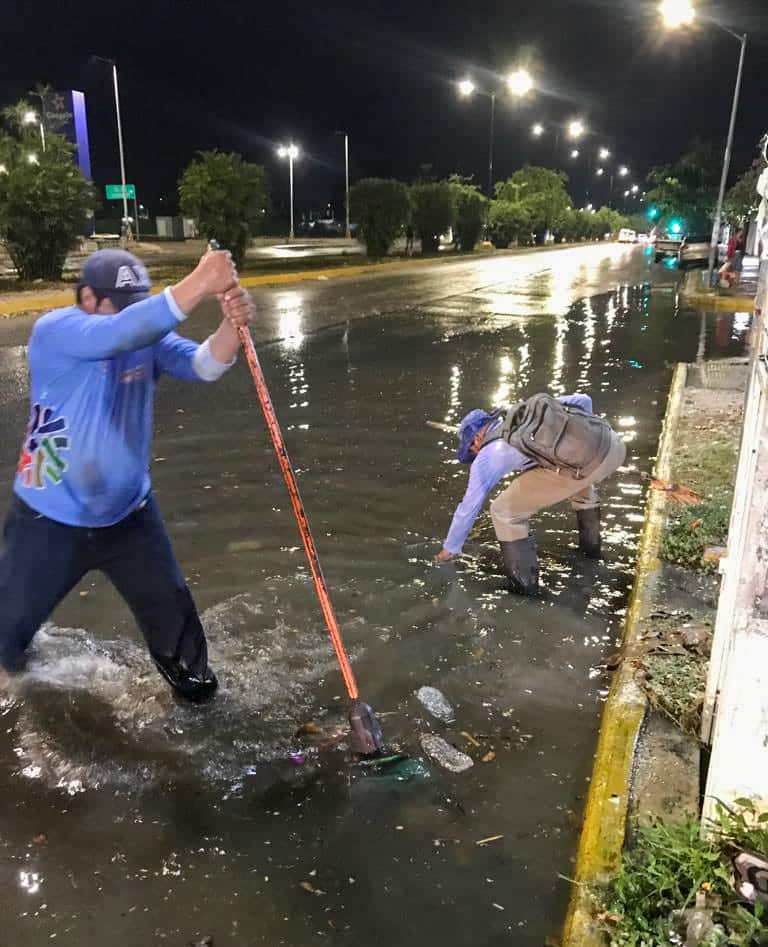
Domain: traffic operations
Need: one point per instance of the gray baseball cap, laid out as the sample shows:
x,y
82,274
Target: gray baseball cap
x,y
118,275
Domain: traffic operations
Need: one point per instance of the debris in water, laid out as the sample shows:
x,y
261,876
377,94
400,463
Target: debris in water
x,y
489,757
298,759
436,703
308,886
497,906
41,839
308,729
446,755
470,739
205,942
491,838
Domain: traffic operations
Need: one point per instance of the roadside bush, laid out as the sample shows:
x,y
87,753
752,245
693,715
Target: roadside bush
x,y
381,207
669,864
508,221
228,197
44,202
471,212
434,211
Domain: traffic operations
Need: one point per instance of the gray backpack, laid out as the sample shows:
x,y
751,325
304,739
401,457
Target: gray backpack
x,y
556,436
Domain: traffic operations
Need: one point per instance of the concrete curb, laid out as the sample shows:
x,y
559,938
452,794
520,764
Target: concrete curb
x,y
42,302
605,816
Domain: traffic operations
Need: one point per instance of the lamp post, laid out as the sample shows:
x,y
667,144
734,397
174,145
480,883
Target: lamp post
x,y
113,64
680,13
291,152
30,118
347,230
519,83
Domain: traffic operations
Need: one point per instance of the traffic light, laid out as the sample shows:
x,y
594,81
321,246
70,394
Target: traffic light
x,y
675,226
653,213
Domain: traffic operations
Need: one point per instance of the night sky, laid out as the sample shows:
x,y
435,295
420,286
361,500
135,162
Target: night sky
x,y
248,76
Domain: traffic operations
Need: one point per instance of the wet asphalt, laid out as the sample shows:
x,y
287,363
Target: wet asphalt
x,y
131,818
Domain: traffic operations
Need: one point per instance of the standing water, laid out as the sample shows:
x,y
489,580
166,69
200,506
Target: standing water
x,y
132,820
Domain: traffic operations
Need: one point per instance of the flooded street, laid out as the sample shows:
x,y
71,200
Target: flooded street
x,y
132,820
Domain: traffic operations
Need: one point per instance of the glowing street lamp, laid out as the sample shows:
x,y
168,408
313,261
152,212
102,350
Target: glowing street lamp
x,y
520,82
680,13
634,189
677,13
576,128
603,154
291,152
32,158
466,87
623,171
575,153
538,130
626,193
600,172
30,118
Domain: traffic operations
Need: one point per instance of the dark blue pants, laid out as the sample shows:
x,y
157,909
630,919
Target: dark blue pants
x,y
42,561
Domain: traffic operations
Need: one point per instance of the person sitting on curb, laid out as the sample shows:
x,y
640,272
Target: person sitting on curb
x,y
82,495
561,450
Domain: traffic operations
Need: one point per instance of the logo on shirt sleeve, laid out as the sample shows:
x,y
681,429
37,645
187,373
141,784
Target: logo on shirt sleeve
x,y
41,453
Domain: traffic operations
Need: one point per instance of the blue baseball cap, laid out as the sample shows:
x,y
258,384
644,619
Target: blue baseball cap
x,y
470,424
117,275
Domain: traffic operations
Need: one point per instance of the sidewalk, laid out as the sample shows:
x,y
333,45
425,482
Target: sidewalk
x,y
694,290
647,762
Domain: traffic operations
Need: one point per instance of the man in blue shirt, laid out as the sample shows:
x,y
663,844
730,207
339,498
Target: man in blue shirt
x,y
492,459
82,494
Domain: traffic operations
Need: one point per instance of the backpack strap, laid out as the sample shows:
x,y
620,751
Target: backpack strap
x,y
501,431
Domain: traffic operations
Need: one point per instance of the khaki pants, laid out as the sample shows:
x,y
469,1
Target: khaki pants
x,y
538,488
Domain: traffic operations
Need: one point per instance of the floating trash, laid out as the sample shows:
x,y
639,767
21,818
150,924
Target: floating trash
x,y
436,703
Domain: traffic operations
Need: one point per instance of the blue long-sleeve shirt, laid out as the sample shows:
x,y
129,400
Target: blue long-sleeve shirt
x,y
85,458
495,461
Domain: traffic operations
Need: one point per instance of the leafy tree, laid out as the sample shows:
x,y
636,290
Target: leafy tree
x,y
381,207
434,211
471,211
508,220
688,188
228,197
543,193
44,198
606,220
742,200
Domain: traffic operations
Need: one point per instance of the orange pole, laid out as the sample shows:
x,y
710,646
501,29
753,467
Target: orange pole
x,y
298,508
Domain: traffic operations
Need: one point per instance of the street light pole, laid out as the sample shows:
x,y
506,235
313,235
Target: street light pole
x,y
346,182
727,158
290,152
120,144
490,146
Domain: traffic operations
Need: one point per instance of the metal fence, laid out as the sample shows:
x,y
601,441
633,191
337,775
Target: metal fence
x,y
735,719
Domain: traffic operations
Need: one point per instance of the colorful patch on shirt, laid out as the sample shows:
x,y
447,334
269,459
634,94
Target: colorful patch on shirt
x,y
41,454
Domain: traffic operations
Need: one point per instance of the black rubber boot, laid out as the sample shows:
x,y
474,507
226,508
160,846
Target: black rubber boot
x,y
193,687
521,566
589,532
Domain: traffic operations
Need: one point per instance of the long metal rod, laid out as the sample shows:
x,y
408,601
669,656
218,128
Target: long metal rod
x,y
290,177
120,144
726,164
273,425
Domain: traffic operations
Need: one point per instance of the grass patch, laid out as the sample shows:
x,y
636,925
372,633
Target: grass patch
x,y
665,870
675,685
691,529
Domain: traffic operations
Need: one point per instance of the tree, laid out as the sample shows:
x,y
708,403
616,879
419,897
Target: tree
x,y
44,198
687,189
507,221
434,211
471,211
381,208
542,192
228,197
742,200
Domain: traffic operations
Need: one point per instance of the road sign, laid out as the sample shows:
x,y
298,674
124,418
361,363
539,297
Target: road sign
x,y
115,192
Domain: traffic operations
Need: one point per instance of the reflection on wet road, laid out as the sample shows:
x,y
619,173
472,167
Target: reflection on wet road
x,y
126,813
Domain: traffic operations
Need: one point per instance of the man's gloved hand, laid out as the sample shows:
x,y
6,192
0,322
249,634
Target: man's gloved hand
x,y
237,307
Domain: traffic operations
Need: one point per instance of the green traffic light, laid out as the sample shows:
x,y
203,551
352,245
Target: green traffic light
x,y
676,226
653,212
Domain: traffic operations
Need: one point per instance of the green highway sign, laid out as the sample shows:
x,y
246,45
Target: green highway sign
x,y
115,192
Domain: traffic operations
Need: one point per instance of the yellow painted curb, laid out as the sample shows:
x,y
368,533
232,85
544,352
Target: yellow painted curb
x,y
602,837
724,303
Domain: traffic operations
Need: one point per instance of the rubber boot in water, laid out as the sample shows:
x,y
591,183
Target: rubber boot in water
x,y
521,565
193,687
589,532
